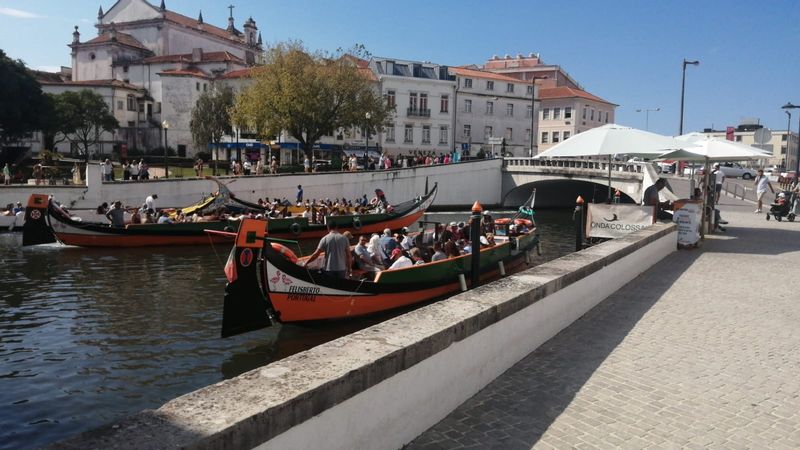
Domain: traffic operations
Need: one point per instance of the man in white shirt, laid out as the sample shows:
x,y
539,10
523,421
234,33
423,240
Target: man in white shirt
x,y
719,178
400,260
762,183
150,202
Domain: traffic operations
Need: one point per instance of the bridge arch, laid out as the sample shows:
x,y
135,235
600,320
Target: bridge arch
x,y
556,193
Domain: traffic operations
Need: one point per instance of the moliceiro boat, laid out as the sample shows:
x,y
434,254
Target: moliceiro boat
x,y
47,222
267,283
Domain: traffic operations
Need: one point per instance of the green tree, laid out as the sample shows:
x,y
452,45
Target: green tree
x,y
211,118
22,104
81,116
310,95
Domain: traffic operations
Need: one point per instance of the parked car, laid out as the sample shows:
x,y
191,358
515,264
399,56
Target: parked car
x,y
698,169
736,170
774,171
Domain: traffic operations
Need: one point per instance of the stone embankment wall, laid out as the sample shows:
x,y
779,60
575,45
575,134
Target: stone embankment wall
x,y
459,185
383,386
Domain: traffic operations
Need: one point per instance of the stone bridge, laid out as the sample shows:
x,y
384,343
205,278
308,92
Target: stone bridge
x,y
559,181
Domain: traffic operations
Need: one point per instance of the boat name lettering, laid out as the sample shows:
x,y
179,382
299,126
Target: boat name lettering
x,y
303,293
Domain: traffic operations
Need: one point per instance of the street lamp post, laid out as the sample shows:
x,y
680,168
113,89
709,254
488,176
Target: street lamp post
x,y
786,108
367,116
165,126
683,88
647,116
788,135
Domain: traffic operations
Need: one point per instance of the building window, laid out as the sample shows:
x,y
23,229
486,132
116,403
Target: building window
x,y
197,86
125,69
566,135
606,117
510,110
510,88
444,104
131,123
390,99
92,56
784,137
490,85
131,103
527,134
556,136
423,102
529,111
468,82
487,132
408,138
584,113
205,87
426,134
467,131
468,106
568,112
120,105
509,134
591,115
545,137
443,135
738,139
545,113
530,90
390,133
412,101
556,113
489,108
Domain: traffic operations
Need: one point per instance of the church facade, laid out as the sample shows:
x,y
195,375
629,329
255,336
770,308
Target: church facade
x,y
151,65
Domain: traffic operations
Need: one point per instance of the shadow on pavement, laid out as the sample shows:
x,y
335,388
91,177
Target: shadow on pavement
x,y
515,410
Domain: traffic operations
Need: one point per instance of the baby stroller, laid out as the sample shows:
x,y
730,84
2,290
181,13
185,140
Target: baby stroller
x,y
783,206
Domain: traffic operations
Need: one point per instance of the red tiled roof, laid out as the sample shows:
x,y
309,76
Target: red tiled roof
x,y
99,83
180,19
188,72
567,92
122,38
241,73
465,72
222,56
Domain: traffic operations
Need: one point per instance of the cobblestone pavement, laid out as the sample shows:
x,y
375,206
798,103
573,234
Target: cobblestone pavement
x,y
701,351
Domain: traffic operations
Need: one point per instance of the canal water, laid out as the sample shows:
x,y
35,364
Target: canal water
x,y
88,336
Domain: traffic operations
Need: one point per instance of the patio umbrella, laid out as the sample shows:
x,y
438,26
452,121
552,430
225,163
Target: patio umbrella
x,y
612,139
706,149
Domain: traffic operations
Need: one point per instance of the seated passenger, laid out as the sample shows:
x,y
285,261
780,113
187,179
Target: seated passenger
x,y
416,257
364,260
400,260
438,254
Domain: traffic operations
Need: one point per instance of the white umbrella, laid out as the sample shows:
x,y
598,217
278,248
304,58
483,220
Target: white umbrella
x,y
612,139
702,147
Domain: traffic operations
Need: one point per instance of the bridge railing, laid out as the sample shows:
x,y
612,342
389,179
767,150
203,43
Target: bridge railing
x,y
575,163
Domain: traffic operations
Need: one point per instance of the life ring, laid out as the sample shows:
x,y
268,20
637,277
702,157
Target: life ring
x,y
295,229
356,223
502,221
525,222
285,251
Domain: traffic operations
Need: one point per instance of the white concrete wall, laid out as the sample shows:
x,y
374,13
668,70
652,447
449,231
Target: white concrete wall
x,y
457,186
395,411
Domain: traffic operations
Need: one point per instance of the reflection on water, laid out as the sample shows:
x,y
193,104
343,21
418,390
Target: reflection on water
x,y
90,335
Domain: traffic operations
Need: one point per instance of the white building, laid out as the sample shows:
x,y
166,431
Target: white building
x,y
422,94
781,143
494,113
152,64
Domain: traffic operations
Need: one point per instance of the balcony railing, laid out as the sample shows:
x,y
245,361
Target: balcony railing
x,y
417,112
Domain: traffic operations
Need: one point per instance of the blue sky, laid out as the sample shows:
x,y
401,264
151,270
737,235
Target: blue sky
x,y
625,51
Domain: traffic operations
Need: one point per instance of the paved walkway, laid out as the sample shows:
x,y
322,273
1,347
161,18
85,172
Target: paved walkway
x,y
701,351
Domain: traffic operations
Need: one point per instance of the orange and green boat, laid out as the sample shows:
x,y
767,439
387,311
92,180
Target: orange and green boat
x,y
46,222
267,285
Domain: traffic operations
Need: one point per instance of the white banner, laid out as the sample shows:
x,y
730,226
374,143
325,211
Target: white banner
x,y
616,220
688,220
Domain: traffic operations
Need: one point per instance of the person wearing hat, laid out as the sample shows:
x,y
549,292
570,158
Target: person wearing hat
x,y
400,260
719,178
407,243
18,208
116,215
